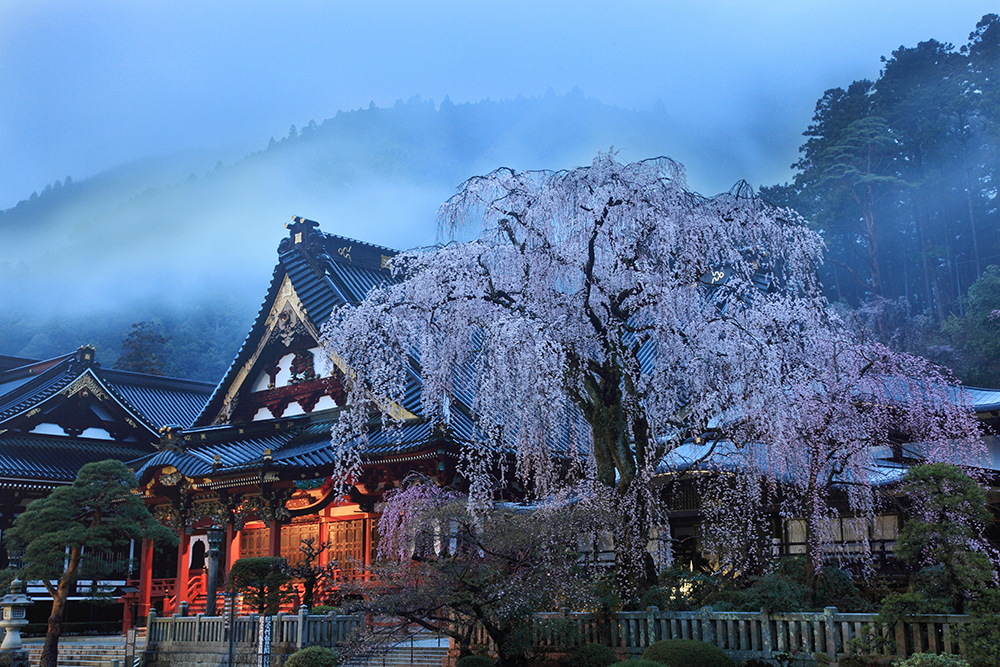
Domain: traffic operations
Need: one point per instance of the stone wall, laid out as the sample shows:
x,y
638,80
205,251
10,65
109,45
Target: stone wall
x,y
209,655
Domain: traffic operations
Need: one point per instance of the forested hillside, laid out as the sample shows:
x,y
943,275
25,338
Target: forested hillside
x,y
900,174
189,244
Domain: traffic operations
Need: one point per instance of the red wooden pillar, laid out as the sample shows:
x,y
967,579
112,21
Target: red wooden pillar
x,y
232,548
324,537
146,580
183,569
274,539
368,541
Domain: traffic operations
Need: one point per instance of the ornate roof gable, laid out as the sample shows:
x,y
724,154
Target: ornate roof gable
x,y
72,396
315,273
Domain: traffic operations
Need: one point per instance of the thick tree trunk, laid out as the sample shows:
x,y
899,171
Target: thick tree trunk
x,y
629,515
50,651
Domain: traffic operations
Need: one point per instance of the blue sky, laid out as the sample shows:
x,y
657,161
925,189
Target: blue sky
x,y
88,85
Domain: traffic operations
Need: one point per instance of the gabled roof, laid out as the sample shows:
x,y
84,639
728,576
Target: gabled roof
x,y
152,400
43,458
8,362
321,271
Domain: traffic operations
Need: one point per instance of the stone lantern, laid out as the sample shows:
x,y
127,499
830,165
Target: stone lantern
x,y
14,606
212,585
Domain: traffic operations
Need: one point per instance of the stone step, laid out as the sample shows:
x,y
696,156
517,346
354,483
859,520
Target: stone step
x,y
81,654
418,656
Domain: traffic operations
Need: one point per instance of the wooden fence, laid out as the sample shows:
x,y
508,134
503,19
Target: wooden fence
x,y
741,634
291,631
745,635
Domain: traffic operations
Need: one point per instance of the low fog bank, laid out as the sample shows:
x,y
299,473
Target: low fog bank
x,y
160,231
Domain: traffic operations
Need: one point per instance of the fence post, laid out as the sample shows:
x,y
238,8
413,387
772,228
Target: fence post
x,y
900,639
707,626
300,634
563,630
830,615
652,627
765,633
150,621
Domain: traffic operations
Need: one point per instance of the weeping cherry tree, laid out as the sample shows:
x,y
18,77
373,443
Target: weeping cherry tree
x,y
604,314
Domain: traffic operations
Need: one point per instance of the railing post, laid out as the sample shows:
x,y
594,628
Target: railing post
x,y
564,635
707,627
300,631
765,633
150,621
900,638
652,629
830,623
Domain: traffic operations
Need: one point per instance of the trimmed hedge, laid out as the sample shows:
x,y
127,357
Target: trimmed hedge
x,y
932,660
687,653
640,662
313,656
591,655
475,661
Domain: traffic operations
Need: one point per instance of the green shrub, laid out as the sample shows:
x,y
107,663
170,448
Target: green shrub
x,y
324,609
859,660
756,662
680,589
314,656
982,634
931,660
641,662
784,588
263,582
475,661
592,655
687,653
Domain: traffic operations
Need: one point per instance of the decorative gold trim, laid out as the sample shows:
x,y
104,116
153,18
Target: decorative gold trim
x,y
86,381
286,296
395,410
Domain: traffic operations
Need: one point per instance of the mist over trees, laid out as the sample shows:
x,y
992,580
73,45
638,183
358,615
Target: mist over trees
x,y
900,176
173,238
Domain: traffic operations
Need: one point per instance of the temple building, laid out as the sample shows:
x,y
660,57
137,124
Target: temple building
x,y
255,465
58,414
244,468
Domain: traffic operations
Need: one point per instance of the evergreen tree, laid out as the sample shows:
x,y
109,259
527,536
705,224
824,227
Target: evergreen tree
x,y
142,349
64,533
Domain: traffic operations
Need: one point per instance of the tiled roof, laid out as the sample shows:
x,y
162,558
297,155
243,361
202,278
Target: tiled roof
x,y
163,401
156,400
296,443
8,362
983,400
21,396
57,459
325,270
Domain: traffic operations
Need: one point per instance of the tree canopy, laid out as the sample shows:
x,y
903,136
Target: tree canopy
x,y
607,313
900,175
67,531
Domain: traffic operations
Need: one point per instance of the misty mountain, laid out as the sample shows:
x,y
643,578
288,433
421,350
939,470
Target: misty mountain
x,y
162,238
